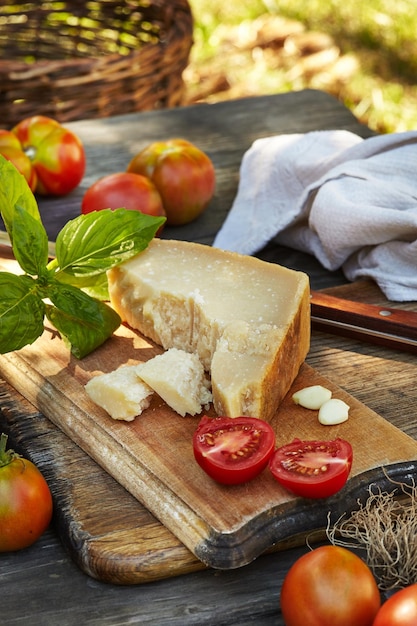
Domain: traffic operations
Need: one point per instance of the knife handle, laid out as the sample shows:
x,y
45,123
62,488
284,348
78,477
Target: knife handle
x,y
380,324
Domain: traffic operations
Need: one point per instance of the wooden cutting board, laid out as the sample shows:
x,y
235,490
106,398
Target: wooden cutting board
x,y
152,459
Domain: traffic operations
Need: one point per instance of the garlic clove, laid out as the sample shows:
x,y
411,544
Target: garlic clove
x,y
312,397
334,411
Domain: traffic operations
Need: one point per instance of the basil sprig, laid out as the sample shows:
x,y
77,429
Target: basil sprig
x,y
71,289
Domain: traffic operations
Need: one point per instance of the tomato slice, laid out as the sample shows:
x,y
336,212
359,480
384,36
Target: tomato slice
x,y
233,450
312,469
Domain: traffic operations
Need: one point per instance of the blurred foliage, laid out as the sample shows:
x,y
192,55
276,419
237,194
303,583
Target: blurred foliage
x,y
379,34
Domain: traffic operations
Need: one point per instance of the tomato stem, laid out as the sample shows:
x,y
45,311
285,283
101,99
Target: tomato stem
x,y
6,456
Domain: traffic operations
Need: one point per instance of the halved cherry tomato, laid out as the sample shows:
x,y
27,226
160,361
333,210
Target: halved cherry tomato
x,y
312,469
400,609
233,450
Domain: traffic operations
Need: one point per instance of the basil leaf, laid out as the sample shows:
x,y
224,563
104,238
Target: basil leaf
x,y
83,322
85,249
14,192
96,286
30,245
93,243
21,312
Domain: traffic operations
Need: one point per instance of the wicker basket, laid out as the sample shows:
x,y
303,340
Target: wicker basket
x,y
91,58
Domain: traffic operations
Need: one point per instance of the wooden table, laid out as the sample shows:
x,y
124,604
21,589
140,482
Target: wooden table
x,y
43,585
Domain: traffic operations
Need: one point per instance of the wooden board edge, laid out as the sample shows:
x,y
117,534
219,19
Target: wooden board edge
x,y
301,518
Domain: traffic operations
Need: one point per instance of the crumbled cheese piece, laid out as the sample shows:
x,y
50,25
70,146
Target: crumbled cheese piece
x,y
178,377
121,393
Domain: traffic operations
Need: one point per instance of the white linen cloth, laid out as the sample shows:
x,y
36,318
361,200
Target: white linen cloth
x,y
350,202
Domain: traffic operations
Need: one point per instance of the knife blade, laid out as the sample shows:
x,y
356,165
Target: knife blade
x,y
386,326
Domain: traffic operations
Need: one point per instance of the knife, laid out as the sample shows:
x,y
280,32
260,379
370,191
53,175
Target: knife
x,y
393,328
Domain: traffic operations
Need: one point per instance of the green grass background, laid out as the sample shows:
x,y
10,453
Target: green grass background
x,y
381,34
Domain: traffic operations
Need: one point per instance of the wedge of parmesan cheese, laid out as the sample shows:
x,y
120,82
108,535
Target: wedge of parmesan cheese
x,y
248,321
178,377
121,393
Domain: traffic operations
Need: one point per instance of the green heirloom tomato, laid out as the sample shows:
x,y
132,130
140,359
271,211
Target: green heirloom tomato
x,y
51,157
183,175
11,149
25,501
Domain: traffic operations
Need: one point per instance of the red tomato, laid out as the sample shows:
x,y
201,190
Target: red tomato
x,y
233,450
400,609
182,173
329,586
25,501
123,190
312,469
51,158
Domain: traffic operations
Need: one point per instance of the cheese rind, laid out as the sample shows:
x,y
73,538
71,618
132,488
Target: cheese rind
x,y
247,320
178,377
121,393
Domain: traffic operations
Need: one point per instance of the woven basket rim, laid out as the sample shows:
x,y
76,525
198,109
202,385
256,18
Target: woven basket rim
x,y
142,78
